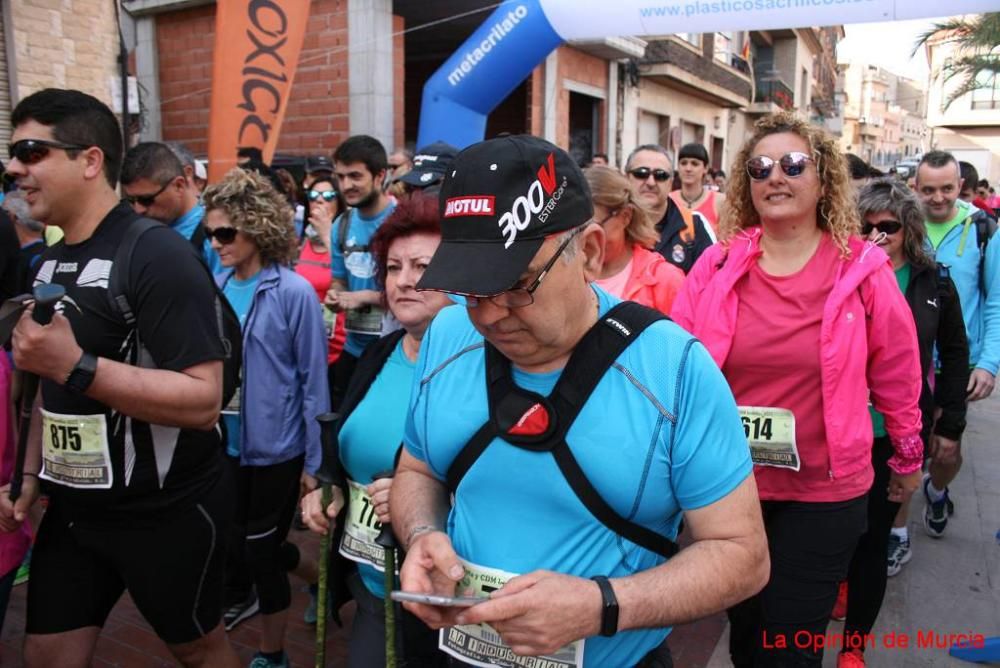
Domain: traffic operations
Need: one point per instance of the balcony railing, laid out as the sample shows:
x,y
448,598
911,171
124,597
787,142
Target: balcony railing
x,y
776,91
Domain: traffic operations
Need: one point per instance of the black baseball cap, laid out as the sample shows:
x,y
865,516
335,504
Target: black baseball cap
x,y
318,163
501,199
430,164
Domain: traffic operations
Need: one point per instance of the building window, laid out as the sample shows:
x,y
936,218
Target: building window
x,y
987,95
692,38
723,50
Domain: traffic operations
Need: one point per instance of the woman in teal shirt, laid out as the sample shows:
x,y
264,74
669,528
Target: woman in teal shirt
x,y
370,429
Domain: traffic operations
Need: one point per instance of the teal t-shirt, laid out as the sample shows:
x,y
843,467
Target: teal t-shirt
x,y
373,433
878,422
240,296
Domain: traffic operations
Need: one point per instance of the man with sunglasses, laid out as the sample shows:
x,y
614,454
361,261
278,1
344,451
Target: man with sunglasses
x,y
155,183
963,239
125,442
497,416
684,234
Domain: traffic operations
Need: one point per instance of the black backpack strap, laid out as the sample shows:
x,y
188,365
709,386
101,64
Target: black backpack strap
x,y
590,360
121,268
592,357
985,228
198,239
342,236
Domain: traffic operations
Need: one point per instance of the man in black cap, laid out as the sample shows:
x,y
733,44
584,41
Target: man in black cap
x,y
317,166
553,412
430,165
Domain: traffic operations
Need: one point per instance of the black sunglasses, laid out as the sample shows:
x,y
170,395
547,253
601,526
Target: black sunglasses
x,y
30,151
792,164
885,227
327,196
224,235
146,200
642,173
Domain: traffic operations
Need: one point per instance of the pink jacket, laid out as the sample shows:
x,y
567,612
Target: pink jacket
x,y
14,545
882,355
654,282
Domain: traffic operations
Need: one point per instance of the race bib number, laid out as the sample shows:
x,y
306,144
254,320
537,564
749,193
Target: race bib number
x,y
75,451
361,528
366,320
480,645
771,435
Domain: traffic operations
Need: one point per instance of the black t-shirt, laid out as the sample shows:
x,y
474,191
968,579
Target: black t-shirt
x,y
9,248
152,468
28,260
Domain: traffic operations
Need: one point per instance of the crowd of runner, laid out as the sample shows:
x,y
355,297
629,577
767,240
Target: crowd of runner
x,y
490,327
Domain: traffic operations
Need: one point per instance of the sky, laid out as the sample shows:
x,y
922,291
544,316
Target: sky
x,y
887,45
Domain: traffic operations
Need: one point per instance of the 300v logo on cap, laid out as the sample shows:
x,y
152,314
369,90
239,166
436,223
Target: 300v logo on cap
x,y
525,206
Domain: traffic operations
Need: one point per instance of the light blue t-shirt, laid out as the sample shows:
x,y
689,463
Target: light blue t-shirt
x,y
660,435
357,269
186,226
240,296
372,433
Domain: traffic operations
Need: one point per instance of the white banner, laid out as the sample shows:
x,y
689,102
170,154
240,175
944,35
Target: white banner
x,y
590,19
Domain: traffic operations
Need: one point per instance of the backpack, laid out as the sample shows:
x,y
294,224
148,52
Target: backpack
x,y
122,297
511,408
985,228
345,223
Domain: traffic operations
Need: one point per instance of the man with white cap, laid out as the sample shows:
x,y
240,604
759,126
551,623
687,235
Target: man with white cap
x,y
573,431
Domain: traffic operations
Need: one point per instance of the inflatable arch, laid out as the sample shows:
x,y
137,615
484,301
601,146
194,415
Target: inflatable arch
x,y
521,33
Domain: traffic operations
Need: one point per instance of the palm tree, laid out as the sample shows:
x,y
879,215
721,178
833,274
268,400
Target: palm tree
x,y
977,62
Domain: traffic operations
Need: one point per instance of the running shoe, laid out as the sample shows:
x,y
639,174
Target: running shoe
x,y
309,616
852,658
840,607
936,513
241,611
898,554
261,661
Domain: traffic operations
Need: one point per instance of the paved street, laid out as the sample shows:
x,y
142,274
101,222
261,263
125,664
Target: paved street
x,y
950,586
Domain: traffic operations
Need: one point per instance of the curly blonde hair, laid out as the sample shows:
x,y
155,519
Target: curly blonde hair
x,y
258,210
610,189
835,211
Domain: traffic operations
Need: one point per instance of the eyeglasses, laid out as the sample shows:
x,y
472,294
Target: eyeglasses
x,y
792,164
30,151
608,217
521,297
224,235
328,196
146,200
885,227
642,173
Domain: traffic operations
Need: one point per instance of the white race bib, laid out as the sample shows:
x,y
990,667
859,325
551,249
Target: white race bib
x,y
75,451
480,645
771,435
361,529
364,320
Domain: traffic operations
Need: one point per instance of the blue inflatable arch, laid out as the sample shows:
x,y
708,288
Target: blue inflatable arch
x,y
519,35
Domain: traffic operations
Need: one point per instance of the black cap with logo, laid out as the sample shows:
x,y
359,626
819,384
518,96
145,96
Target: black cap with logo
x,y
501,199
430,164
318,163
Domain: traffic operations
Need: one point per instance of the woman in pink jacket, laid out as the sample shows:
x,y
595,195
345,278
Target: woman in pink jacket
x,y
807,323
631,270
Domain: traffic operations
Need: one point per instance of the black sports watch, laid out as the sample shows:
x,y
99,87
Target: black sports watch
x,y
82,375
609,611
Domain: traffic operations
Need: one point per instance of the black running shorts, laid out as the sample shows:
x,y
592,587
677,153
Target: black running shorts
x,y
171,565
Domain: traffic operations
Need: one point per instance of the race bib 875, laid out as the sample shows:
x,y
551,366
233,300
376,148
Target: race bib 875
x,y
75,450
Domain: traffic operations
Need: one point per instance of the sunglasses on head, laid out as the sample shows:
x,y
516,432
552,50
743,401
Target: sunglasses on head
x,y
792,164
146,200
327,196
30,151
643,173
885,227
224,235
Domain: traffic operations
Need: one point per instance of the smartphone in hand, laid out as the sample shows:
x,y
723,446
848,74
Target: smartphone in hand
x,y
432,599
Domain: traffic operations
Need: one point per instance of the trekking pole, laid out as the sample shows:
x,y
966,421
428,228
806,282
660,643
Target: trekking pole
x,y
46,296
387,539
329,471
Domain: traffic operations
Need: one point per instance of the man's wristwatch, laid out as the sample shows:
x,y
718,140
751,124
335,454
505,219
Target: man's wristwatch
x,y
82,375
609,609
